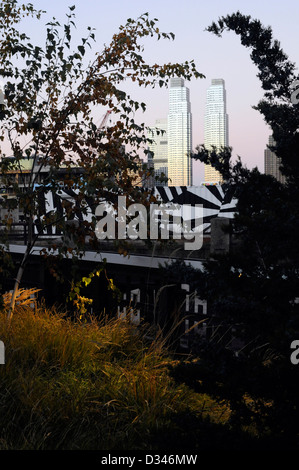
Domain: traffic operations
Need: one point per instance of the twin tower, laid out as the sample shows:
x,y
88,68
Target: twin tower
x,y
172,137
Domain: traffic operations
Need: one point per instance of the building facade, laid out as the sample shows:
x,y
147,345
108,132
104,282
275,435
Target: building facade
x,y
179,134
215,124
158,158
272,162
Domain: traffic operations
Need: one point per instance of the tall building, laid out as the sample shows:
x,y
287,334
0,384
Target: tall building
x,y
272,162
159,149
179,134
215,124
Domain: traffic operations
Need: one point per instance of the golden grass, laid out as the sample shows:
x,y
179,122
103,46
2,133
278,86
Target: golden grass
x,y
93,384
24,297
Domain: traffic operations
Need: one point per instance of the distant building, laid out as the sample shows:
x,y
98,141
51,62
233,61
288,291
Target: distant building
x,y
149,179
179,135
272,162
215,124
158,159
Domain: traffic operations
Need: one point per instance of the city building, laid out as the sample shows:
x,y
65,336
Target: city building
x,y
215,124
179,135
158,157
272,162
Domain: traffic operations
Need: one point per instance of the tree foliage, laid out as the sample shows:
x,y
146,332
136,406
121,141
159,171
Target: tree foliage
x,y
257,284
277,75
252,292
51,94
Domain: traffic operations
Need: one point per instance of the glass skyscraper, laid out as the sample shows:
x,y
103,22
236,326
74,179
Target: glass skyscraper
x,y
179,135
215,124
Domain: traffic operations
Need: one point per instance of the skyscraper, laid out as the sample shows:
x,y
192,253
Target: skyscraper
x,y
159,148
272,162
215,124
179,134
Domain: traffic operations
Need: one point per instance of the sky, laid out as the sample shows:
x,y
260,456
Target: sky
x,y
214,57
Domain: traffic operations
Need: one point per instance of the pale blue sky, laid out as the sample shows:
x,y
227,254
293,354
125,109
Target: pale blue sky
x,y
215,57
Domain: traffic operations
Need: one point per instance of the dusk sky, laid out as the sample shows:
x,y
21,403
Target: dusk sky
x,y
214,57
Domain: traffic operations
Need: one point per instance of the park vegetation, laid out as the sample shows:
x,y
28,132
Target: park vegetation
x,y
103,383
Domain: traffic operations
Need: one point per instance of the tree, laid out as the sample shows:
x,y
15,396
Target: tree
x,y
252,292
50,93
258,284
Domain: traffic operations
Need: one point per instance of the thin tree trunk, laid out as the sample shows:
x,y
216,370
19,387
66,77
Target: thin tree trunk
x,y
21,271
16,288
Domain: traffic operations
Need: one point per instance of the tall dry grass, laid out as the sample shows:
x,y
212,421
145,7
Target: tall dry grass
x,y
97,384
